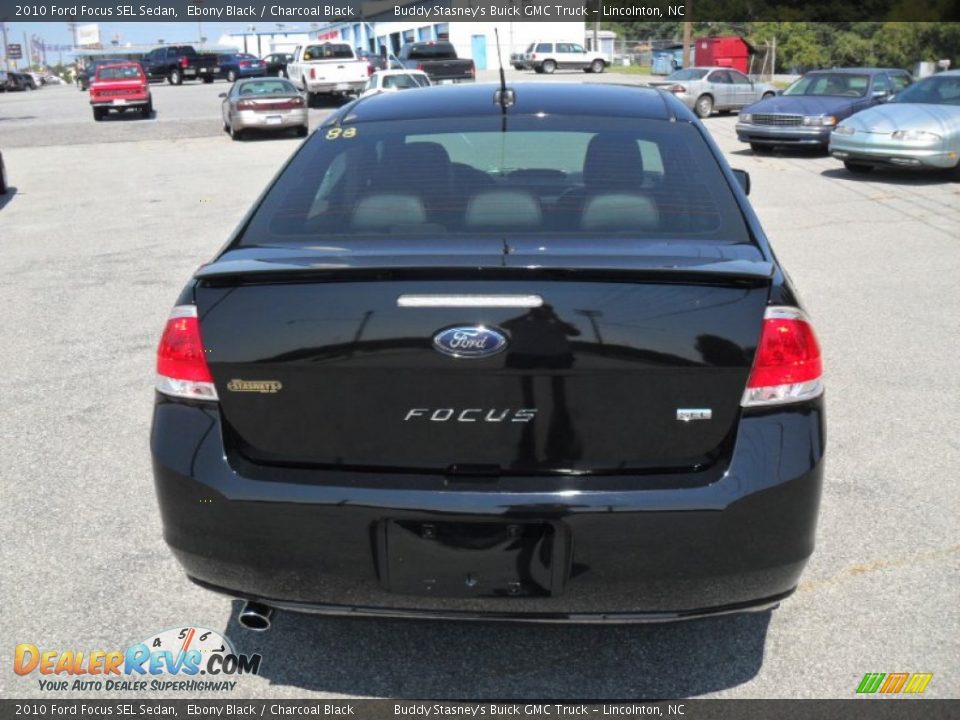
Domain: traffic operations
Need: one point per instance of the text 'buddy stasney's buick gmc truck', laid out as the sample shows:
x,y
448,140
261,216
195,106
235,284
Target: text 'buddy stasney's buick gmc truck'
x,y
504,353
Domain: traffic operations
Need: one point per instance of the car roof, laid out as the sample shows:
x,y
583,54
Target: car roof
x,y
476,99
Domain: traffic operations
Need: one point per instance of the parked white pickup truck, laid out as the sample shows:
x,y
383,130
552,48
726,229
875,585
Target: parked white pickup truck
x,y
327,68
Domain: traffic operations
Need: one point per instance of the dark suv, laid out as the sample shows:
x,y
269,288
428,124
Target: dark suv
x,y
807,111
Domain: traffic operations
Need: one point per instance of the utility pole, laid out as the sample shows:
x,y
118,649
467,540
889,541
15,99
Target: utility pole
x,y
27,54
687,32
596,28
6,60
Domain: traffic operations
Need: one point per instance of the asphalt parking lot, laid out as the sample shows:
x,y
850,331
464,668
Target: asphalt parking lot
x,y
106,221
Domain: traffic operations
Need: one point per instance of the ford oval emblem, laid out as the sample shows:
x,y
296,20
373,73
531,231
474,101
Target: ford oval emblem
x,y
470,341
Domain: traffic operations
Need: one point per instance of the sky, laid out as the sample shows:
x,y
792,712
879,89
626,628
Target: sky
x,y
138,33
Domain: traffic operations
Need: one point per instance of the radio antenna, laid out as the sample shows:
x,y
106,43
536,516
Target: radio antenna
x,y
504,97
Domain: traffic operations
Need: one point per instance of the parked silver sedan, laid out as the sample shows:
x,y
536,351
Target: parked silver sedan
x,y
705,89
919,129
263,104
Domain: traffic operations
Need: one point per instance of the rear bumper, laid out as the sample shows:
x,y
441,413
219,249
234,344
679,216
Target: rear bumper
x,y
252,120
780,135
734,544
324,87
121,103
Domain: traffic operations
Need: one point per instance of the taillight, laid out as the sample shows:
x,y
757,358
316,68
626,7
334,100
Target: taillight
x,y
184,61
182,369
244,63
533,57
246,105
313,73
420,66
369,69
787,366
677,89
472,70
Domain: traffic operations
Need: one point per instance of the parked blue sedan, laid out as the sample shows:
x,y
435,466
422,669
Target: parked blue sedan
x,y
808,110
234,66
919,129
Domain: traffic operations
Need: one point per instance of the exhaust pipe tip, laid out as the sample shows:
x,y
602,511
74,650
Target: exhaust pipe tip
x,y
255,616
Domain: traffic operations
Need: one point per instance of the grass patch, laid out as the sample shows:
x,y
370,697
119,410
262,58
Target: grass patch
x,y
629,69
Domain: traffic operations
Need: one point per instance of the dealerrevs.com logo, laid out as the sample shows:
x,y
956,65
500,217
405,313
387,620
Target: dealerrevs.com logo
x,y
182,659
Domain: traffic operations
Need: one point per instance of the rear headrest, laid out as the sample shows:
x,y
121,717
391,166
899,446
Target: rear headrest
x,y
381,212
495,209
418,159
620,211
613,161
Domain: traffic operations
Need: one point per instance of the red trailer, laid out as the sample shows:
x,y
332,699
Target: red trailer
x,y
725,51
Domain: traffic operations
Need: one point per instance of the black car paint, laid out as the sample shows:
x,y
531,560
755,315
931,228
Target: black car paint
x,y
654,543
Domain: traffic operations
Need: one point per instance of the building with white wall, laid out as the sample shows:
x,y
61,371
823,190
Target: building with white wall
x,y
474,40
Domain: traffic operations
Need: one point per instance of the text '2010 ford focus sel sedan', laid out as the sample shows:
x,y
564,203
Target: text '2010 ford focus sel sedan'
x,y
484,353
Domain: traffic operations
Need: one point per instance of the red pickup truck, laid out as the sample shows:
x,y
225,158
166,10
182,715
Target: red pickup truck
x,y
120,86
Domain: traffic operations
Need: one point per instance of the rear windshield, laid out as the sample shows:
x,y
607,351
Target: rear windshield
x,y
838,84
688,74
406,81
125,72
328,51
442,179
434,51
267,87
942,90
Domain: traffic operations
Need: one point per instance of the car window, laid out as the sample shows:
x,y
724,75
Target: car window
x,y
267,87
880,84
125,72
545,48
720,76
935,90
432,51
830,83
738,77
688,74
448,178
400,81
577,48
529,48
898,82
328,51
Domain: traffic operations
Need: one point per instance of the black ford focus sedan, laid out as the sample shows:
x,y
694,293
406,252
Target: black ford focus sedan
x,y
518,355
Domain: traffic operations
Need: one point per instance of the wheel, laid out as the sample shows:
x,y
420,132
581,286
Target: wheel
x,y
760,149
857,168
303,131
236,135
147,110
597,66
518,67
768,95
98,114
232,75
704,106
549,66
175,78
538,70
